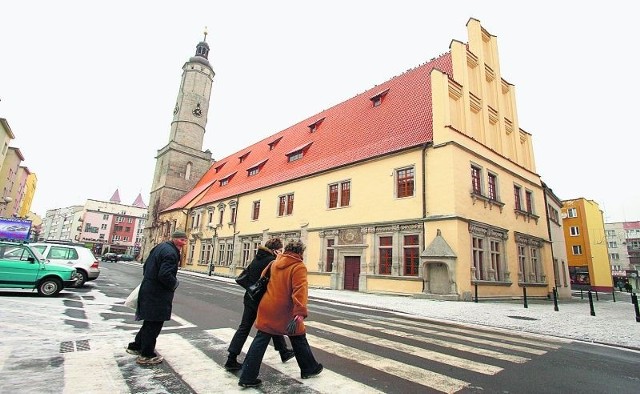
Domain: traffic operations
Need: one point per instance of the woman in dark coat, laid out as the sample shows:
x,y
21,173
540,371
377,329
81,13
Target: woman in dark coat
x,y
155,298
282,310
264,256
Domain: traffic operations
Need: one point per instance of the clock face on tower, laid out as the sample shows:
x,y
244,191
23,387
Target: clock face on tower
x,y
197,111
175,109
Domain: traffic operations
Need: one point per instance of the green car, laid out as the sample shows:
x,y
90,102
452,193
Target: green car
x,y
23,267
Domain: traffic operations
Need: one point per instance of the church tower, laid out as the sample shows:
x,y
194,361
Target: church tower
x,y
181,163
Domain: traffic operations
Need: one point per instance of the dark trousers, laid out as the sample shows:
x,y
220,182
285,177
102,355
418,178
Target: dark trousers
x,y
145,341
240,337
251,364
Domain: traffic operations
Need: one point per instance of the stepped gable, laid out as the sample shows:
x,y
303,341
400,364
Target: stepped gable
x,y
115,197
352,131
138,202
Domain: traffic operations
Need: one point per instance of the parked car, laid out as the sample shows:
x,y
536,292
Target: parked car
x,y
23,267
71,255
110,257
124,257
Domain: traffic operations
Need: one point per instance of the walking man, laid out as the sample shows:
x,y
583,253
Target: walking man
x,y
155,298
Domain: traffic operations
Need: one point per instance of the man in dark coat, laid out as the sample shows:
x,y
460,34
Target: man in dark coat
x,y
155,298
264,256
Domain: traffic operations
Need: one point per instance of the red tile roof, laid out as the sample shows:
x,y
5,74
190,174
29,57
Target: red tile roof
x,y
351,131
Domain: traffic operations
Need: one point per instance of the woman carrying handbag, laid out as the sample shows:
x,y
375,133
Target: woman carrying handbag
x,y
281,312
265,255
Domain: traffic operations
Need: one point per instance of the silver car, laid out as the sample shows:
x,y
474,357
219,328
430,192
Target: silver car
x,y
71,255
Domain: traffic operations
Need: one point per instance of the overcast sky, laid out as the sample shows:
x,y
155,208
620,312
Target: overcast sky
x,y
88,87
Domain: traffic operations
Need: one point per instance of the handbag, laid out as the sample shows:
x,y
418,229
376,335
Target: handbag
x,y
243,279
132,299
257,290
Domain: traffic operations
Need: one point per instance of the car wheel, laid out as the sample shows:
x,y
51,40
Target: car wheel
x,y
82,278
49,287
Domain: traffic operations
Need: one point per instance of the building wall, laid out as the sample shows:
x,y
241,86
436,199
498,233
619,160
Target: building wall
x,y
592,241
474,125
8,181
6,135
29,192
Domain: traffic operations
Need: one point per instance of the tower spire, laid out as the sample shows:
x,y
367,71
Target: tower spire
x,y
205,34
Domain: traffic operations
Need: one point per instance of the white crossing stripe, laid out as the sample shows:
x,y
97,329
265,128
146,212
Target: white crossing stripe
x,y
467,338
327,382
414,350
196,368
547,342
5,351
402,370
93,371
439,342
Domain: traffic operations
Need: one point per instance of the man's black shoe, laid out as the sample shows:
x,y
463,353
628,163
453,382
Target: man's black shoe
x,y
287,355
315,372
255,383
232,365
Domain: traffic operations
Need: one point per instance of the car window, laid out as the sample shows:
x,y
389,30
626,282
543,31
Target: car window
x,y
60,252
16,253
39,248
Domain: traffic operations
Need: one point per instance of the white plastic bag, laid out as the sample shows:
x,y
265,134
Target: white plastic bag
x,y
132,300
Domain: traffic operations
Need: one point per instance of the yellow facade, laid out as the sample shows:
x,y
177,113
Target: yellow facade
x,y
29,192
586,243
466,238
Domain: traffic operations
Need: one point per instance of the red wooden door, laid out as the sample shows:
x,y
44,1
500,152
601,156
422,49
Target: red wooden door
x,y
351,272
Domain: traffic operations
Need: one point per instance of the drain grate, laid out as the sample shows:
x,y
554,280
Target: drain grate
x,y
523,318
72,346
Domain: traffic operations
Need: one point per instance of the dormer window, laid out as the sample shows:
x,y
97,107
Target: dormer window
x,y
298,153
255,169
273,143
313,127
226,179
244,156
377,99
219,167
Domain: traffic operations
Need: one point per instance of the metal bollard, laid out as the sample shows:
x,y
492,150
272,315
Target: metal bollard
x,y
581,296
555,299
524,294
597,298
476,290
593,312
613,293
634,301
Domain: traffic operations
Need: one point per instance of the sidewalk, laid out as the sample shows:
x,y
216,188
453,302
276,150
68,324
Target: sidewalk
x,y
614,323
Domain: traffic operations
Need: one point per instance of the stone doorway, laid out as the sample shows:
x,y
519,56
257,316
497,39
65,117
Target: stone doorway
x,y
351,273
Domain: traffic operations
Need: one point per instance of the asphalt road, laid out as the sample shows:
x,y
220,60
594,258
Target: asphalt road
x,y
363,350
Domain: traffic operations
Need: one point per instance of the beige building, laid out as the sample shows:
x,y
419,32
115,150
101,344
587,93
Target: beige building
x,y
558,246
425,184
12,177
29,192
6,135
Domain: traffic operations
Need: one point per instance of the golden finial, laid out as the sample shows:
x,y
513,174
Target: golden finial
x,y
205,33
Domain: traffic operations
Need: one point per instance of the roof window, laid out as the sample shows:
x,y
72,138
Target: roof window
x,y
219,167
298,152
255,169
313,127
377,99
273,143
226,179
244,156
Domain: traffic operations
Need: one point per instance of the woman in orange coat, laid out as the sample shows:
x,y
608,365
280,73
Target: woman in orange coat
x,y
281,312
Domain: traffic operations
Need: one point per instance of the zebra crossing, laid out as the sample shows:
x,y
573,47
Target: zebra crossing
x,y
194,359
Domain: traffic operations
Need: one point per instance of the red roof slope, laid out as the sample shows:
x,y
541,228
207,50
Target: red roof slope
x,y
351,131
